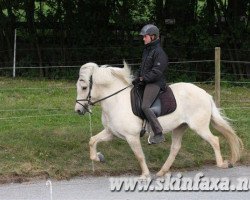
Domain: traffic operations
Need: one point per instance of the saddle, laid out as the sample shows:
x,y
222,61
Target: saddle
x,y
164,104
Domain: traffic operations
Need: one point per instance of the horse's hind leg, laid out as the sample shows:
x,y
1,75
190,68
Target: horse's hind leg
x,y
104,135
175,147
206,134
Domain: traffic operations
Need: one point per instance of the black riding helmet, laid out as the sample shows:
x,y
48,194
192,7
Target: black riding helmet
x,y
150,29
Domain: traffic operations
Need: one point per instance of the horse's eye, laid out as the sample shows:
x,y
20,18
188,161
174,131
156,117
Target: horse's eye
x,y
84,88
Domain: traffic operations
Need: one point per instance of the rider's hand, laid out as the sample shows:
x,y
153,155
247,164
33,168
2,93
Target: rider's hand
x,y
136,81
141,81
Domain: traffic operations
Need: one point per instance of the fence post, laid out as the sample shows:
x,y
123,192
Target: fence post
x,y
14,59
217,75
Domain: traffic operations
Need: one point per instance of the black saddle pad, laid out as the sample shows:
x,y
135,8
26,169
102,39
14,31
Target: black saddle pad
x,y
167,102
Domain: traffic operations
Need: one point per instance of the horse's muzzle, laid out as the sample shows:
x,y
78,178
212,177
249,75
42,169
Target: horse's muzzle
x,y
81,109
80,112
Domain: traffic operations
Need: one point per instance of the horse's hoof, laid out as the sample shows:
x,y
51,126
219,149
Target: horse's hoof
x,y
101,157
159,175
230,165
144,178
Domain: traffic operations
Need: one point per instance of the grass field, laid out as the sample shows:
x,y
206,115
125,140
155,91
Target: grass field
x,y
40,135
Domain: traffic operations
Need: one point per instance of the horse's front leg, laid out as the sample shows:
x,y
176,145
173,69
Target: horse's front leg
x,y
135,144
104,135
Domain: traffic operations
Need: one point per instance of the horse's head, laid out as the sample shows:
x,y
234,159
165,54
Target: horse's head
x,y
84,87
95,82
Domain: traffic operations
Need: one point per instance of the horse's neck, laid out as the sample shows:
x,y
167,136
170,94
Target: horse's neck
x,y
117,102
117,113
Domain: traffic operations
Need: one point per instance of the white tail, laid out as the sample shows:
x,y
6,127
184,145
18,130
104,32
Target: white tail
x,y
221,124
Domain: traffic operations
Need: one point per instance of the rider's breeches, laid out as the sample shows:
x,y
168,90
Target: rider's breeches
x,y
150,93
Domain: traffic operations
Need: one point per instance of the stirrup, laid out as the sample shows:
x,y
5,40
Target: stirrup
x,y
156,139
143,130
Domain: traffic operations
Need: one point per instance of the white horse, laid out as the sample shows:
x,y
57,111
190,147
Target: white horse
x,y
195,109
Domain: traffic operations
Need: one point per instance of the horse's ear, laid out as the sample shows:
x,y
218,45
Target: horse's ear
x,y
127,69
125,65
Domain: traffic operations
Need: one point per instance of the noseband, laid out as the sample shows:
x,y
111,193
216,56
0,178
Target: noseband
x,y
88,99
92,103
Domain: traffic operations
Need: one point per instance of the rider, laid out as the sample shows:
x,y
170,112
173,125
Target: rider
x,y
151,75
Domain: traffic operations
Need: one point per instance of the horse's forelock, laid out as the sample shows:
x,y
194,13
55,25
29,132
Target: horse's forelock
x,y
88,67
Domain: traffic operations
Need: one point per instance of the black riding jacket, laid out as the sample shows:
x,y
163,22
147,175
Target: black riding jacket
x,y
154,63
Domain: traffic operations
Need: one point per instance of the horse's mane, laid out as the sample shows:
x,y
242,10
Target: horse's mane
x,y
105,74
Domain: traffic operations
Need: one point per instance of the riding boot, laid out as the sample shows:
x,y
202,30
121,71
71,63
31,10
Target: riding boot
x,y
151,91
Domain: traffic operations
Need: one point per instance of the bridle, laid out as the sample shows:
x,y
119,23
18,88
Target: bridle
x,y
88,98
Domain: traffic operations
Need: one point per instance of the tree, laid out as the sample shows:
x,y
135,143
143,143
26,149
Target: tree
x,y
74,29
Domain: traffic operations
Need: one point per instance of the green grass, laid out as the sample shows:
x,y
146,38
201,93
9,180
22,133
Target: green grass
x,y
41,135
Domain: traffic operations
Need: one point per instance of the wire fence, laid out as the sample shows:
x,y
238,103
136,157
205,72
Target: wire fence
x,y
35,112
199,73
175,67
131,64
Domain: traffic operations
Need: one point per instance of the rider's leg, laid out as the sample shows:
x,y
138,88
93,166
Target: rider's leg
x,y
150,93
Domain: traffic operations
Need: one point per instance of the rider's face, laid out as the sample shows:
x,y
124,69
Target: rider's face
x,y
146,39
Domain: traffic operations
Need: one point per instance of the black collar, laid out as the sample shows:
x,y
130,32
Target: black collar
x,y
153,44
